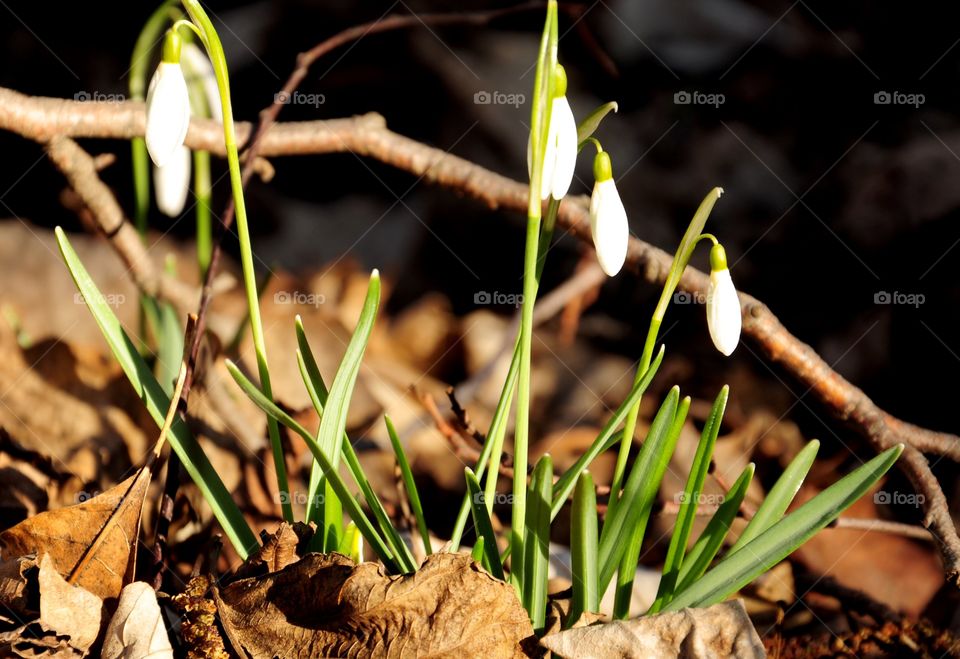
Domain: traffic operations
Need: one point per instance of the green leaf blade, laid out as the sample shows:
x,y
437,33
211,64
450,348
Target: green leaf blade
x,y
583,550
481,520
781,494
776,543
690,501
698,559
194,460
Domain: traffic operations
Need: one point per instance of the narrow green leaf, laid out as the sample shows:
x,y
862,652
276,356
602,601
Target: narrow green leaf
x,y
191,455
409,485
352,543
564,486
738,569
314,388
356,513
639,508
537,545
493,445
583,550
698,559
481,520
592,121
617,528
690,501
780,495
478,554
334,421
170,347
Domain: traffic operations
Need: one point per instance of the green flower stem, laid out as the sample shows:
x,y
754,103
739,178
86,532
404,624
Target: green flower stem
x,y
493,445
498,427
540,122
685,250
211,42
202,182
203,190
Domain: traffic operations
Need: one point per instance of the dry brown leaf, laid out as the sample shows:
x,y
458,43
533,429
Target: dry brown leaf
x,y
137,628
92,544
65,401
67,610
15,600
324,605
278,550
722,630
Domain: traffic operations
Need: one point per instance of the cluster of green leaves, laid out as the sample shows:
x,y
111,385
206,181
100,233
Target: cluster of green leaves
x,y
598,552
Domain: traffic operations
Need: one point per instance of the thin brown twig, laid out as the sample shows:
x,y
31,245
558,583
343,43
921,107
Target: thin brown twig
x,y
461,447
883,526
46,119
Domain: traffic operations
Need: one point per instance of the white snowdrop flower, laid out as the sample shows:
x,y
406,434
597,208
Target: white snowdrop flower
x,y
560,156
723,304
168,105
171,183
198,67
608,218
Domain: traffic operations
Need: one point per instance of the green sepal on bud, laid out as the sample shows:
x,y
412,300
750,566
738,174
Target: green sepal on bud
x,y
718,258
172,43
602,167
559,81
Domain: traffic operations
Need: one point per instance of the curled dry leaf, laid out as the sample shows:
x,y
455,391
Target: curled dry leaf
x,y
15,599
722,630
324,605
137,628
92,544
278,550
67,610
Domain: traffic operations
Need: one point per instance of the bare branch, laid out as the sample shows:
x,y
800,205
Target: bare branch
x,y
43,119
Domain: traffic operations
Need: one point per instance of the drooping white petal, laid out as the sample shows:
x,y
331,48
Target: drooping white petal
x,y
608,223
548,162
171,183
564,127
723,312
197,66
168,112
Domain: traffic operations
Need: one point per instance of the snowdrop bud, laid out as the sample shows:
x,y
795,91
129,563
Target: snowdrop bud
x,y
563,128
723,305
560,155
608,218
172,182
168,105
